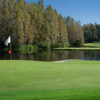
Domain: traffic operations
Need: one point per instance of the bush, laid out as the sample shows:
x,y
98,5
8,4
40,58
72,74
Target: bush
x,y
28,48
77,43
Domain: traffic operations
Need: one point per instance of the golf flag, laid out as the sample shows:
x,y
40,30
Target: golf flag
x,y
8,41
9,51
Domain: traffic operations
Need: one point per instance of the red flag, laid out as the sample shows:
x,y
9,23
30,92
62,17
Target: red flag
x,y
9,51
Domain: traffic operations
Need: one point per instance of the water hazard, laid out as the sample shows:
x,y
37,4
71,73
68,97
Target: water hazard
x,y
54,55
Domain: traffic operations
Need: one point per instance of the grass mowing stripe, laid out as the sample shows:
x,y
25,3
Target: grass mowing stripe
x,y
67,94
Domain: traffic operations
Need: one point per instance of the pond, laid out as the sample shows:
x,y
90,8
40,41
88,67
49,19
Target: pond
x,y
54,55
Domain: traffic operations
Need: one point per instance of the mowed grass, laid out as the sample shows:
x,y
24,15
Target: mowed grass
x,y
35,80
87,46
92,44
79,48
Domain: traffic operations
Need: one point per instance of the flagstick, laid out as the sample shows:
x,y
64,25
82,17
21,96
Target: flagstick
x,y
11,61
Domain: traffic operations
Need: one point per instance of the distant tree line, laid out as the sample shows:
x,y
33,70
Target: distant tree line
x,y
91,32
33,24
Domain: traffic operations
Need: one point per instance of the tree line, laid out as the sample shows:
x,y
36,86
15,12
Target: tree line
x,y
91,32
74,29
34,24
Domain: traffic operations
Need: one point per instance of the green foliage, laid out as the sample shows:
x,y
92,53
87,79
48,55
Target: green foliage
x,y
28,48
91,32
44,44
66,43
74,29
77,43
96,42
22,47
6,49
59,44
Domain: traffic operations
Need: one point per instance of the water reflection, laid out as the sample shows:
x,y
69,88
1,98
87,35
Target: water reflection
x,y
51,55
76,54
93,55
54,55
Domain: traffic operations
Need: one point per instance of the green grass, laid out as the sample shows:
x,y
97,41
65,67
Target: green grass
x,y
78,48
92,44
34,80
87,46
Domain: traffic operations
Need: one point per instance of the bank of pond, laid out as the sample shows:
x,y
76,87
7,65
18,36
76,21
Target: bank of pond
x,y
87,51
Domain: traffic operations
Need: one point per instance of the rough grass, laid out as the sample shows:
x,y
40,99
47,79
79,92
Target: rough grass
x,y
33,80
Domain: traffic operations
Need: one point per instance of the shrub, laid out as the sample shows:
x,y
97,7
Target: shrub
x,y
28,48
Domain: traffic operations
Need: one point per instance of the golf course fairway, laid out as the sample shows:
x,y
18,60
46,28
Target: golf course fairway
x,y
36,80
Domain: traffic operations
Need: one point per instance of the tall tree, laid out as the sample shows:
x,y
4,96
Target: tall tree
x,y
75,31
62,31
19,27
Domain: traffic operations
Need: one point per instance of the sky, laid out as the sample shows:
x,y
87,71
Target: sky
x,y
86,11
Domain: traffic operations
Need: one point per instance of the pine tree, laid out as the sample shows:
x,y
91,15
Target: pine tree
x,y
39,25
52,19
33,15
63,36
19,27
75,31
4,17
